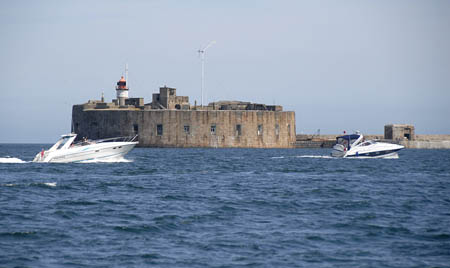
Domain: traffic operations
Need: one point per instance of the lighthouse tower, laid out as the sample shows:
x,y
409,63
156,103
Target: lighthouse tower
x,y
122,91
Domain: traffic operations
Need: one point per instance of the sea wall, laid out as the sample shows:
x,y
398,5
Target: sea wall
x,y
433,144
433,137
420,142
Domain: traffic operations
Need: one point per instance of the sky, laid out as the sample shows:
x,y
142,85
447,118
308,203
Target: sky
x,y
340,65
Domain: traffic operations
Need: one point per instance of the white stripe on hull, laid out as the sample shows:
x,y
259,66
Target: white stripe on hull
x,y
392,155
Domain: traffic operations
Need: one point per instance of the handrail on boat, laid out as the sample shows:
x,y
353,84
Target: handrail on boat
x,y
123,139
115,139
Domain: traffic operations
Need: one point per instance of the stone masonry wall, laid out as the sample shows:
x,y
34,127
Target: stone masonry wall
x,y
96,124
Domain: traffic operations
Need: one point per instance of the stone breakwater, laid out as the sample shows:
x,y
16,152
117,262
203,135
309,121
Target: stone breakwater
x,y
420,142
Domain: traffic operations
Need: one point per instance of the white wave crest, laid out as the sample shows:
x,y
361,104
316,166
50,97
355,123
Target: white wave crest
x,y
106,160
12,160
315,156
277,157
51,184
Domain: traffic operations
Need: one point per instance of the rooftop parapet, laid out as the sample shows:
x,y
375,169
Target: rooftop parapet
x,y
167,99
241,105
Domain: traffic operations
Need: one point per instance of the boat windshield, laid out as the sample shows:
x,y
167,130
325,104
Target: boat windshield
x,y
342,141
347,140
62,143
63,140
366,143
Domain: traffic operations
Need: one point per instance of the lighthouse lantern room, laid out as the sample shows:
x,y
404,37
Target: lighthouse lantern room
x,y
122,91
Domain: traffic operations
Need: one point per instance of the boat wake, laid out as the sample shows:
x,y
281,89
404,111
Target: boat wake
x,y
49,184
334,157
106,160
315,156
14,160
305,156
11,160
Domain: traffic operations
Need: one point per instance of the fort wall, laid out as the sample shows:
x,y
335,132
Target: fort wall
x,y
189,128
170,121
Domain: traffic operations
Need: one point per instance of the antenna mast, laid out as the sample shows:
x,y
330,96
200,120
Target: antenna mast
x,y
201,53
126,75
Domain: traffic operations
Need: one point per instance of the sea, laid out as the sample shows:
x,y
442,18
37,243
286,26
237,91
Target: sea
x,y
225,208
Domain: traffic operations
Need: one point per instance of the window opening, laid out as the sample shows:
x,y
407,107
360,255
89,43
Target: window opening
x,y
159,130
260,130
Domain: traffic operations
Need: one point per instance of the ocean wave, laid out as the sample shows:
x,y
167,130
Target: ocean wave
x,y
18,234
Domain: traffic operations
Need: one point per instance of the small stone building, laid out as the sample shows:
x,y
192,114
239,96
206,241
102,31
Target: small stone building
x,y
399,132
167,99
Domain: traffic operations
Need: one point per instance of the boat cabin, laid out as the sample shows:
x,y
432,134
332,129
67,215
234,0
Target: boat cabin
x,y
348,140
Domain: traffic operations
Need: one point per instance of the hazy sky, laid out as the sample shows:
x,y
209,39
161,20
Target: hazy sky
x,y
340,65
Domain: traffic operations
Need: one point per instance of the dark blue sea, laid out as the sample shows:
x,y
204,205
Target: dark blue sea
x,y
225,208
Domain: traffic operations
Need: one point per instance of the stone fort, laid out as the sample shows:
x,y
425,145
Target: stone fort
x,y
171,121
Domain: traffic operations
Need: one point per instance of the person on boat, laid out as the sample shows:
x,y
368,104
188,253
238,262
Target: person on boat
x,y
85,141
345,143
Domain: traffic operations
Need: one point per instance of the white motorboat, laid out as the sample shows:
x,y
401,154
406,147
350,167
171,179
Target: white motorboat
x,y
66,150
356,146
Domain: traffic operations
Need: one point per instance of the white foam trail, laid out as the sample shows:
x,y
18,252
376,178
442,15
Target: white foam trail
x,y
315,156
277,157
113,160
392,157
12,160
51,184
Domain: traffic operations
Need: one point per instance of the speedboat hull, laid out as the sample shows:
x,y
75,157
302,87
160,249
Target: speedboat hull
x,y
354,146
86,152
390,152
92,152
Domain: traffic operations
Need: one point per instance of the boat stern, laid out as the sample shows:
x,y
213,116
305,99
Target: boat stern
x,y
338,151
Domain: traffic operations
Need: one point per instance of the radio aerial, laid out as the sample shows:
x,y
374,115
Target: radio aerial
x,y
201,53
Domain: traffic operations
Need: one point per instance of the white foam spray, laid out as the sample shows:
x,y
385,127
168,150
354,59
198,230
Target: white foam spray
x,y
11,160
111,160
